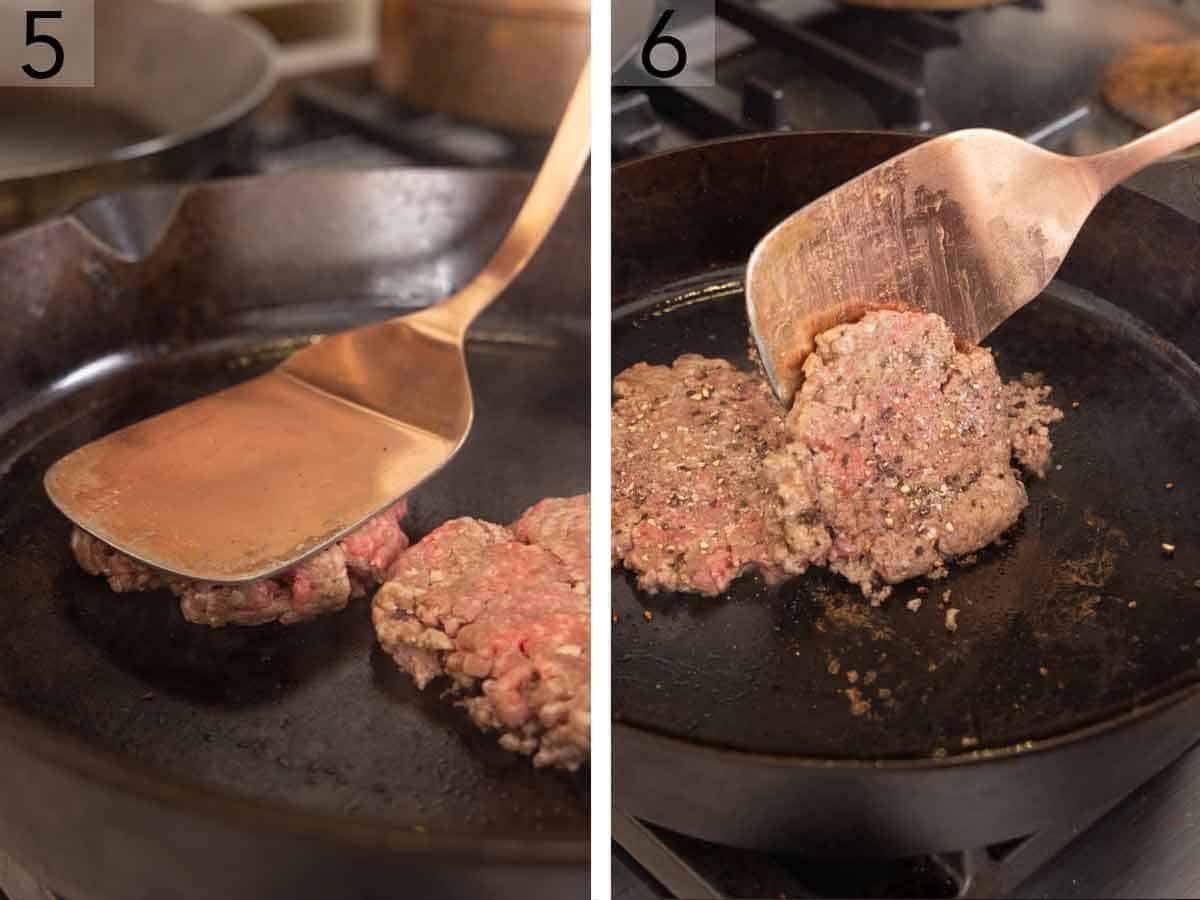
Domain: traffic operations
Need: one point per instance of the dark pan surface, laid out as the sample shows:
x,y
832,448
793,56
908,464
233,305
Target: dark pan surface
x,y
689,219
1078,618
237,761
315,715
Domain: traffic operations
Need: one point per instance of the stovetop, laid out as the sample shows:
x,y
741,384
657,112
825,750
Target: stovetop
x,y
1144,847
1032,68
358,126
346,122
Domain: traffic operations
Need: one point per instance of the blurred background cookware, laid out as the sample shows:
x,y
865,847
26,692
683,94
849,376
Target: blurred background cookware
x,y
175,88
300,84
506,63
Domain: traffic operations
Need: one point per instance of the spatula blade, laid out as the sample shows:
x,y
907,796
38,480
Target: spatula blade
x,y
971,225
242,483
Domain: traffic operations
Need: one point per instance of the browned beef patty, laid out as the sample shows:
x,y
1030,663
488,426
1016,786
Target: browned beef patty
x,y
899,451
323,583
692,508
505,614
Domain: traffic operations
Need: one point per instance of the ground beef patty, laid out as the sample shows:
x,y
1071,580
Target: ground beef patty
x,y
323,583
899,451
691,506
562,526
504,612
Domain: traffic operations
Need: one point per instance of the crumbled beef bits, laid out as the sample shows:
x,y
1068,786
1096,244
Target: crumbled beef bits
x,y
899,451
323,583
505,613
691,506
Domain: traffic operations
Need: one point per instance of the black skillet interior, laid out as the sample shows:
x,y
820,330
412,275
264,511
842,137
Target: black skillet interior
x,y
315,716
1080,614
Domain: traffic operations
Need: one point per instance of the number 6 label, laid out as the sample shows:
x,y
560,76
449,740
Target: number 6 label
x,y
47,43
658,39
676,46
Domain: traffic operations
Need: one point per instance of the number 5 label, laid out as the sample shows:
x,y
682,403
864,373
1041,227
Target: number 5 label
x,y
47,43
675,46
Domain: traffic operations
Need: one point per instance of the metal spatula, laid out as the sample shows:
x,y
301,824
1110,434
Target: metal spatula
x,y
248,481
971,225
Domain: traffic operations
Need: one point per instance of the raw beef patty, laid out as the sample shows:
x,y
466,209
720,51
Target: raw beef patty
x,y
320,584
505,613
692,508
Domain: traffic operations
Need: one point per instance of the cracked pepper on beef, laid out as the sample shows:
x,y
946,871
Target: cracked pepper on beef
x,y
692,508
323,583
899,451
505,613
897,454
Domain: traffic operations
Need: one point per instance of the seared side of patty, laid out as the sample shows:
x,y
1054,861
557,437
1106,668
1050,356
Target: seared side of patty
x,y
507,619
322,583
691,506
899,451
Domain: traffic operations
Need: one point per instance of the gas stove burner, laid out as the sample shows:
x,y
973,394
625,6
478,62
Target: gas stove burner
x,y
1155,83
1120,852
688,867
635,130
1028,67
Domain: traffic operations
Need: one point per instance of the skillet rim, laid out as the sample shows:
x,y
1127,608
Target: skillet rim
x,y
1128,718
147,783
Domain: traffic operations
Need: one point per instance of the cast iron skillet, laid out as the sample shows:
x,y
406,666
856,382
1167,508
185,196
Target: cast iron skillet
x,y
144,756
1073,674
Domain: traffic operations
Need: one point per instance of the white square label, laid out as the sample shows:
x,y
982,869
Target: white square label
x,y
675,45
51,43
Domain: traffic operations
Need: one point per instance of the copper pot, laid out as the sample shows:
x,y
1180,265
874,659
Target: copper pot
x,y
505,63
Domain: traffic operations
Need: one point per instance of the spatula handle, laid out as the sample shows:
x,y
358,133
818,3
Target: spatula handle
x,y
559,172
1114,166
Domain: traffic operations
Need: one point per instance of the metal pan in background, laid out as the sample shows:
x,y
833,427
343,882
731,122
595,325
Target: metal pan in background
x,y
174,88
141,755
1075,671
